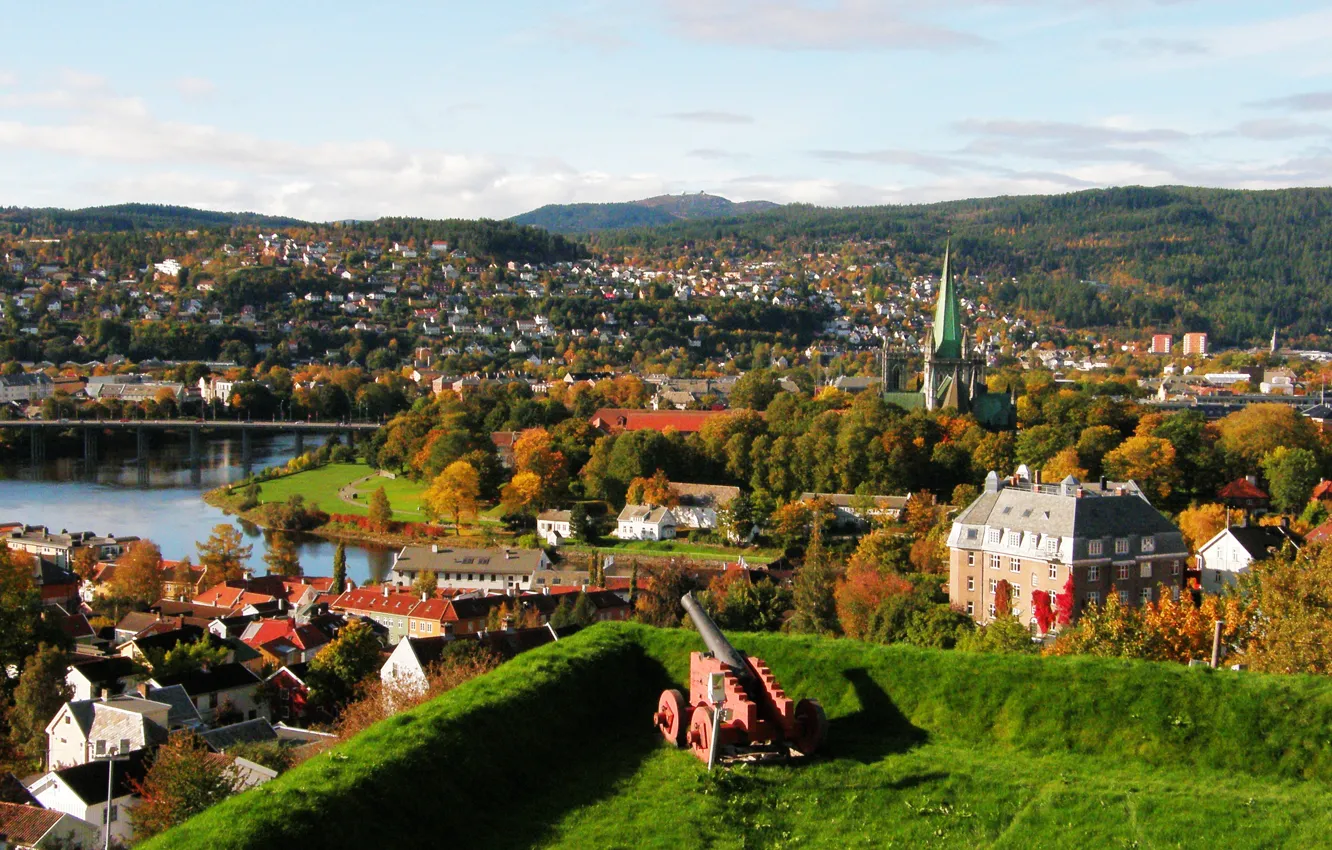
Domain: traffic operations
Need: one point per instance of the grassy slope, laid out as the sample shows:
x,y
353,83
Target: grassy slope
x,y
320,486
609,545
927,749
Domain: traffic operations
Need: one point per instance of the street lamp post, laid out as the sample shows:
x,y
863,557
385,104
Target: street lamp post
x,y
110,758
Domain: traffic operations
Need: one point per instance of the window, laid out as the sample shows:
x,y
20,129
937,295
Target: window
x,y
1054,572
1094,573
1174,593
1054,599
124,745
1014,538
971,609
1145,570
1017,591
1033,578
1147,544
971,559
1122,571
1145,595
1051,544
993,583
1123,597
1094,547
1093,597
994,562
1121,545
1174,570
971,583
101,747
991,610
992,536
1015,565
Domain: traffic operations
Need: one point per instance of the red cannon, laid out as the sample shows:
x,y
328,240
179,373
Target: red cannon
x,y
736,709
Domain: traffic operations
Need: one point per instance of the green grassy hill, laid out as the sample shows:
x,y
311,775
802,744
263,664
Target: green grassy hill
x,y
926,749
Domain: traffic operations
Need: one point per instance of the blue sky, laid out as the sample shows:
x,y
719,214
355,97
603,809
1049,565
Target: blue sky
x,y
355,110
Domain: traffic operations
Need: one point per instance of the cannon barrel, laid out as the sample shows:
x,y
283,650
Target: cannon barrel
x,y
714,639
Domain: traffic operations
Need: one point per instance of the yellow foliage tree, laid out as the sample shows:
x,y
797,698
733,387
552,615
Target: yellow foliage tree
x,y
522,494
1150,461
1062,465
454,493
1202,523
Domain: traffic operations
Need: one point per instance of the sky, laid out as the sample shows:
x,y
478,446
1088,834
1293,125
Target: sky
x,y
335,110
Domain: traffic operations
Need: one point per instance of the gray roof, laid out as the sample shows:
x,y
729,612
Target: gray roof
x,y
1258,539
644,513
245,732
849,500
448,559
555,516
1092,516
182,711
705,495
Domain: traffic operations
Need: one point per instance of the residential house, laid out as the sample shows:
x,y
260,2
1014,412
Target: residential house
x,y
1035,537
60,549
554,527
82,792
645,522
697,504
384,605
93,676
613,420
407,666
290,693
87,729
856,511
27,827
1233,550
222,692
508,570
503,442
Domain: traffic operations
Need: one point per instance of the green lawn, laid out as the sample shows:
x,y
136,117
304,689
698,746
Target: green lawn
x,y
926,749
320,487
609,545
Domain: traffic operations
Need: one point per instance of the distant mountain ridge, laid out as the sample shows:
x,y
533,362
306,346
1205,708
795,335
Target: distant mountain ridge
x,y
648,212
129,217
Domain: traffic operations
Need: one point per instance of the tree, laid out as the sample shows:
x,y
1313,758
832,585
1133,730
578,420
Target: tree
x,y
814,592
381,512
1042,610
1293,590
1291,475
534,453
138,576
184,779
1003,599
1150,461
185,657
1064,604
1002,634
1201,523
581,525
85,562
20,613
425,583
1250,434
340,568
41,692
282,558
563,614
584,610
222,555
1064,463
454,492
343,664
523,494
655,490
658,602
862,590
754,390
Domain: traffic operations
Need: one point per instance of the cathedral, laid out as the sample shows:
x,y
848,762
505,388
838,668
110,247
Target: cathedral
x,y
954,368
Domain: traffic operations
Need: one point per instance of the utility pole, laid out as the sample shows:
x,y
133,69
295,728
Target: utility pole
x,y
110,758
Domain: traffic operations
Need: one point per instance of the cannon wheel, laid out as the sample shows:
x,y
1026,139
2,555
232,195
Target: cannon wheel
x,y
670,717
811,726
700,731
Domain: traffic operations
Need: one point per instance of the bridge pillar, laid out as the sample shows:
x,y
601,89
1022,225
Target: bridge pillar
x,y
89,447
38,442
300,443
351,439
141,434
194,448
245,450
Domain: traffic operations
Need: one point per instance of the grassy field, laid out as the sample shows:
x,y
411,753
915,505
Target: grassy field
x,y
926,749
320,486
609,545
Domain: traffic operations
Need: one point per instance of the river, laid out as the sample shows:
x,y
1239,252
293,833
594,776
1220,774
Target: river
x,y
161,499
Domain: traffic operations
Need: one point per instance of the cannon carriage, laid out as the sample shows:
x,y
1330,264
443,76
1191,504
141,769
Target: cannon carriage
x,y
736,709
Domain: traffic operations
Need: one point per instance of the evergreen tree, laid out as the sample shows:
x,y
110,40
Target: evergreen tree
x,y
563,613
340,567
815,604
381,512
584,610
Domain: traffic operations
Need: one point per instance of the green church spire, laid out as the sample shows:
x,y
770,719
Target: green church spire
x,y
947,315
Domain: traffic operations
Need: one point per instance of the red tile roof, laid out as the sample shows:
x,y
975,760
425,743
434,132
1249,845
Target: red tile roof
x,y
374,599
1242,488
25,825
1323,490
223,596
623,419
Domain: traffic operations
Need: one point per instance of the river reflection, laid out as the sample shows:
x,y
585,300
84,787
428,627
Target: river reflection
x,y
160,498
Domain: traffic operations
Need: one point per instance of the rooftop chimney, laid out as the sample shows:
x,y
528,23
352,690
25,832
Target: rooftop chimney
x,y
106,694
386,591
1079,493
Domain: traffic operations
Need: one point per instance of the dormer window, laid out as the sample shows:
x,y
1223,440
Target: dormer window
x,y
1148,544
1014,538
1121,545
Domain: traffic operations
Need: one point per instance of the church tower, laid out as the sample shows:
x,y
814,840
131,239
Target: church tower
x,y
954,373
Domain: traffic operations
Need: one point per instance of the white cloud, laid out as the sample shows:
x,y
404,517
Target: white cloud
x,y
195,87
801,24
711,116
8,78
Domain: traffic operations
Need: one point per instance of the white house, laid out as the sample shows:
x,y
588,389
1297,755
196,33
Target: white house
x,y
645,522
225,689
1232,551
699,503
554,527
81,792
90,677
87,729
405,669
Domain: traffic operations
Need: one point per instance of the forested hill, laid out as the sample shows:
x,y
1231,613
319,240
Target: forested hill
x,y
1231,262
648,212
479,237
119,218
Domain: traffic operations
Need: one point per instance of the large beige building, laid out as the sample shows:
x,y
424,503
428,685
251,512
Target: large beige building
x,y
1106,536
